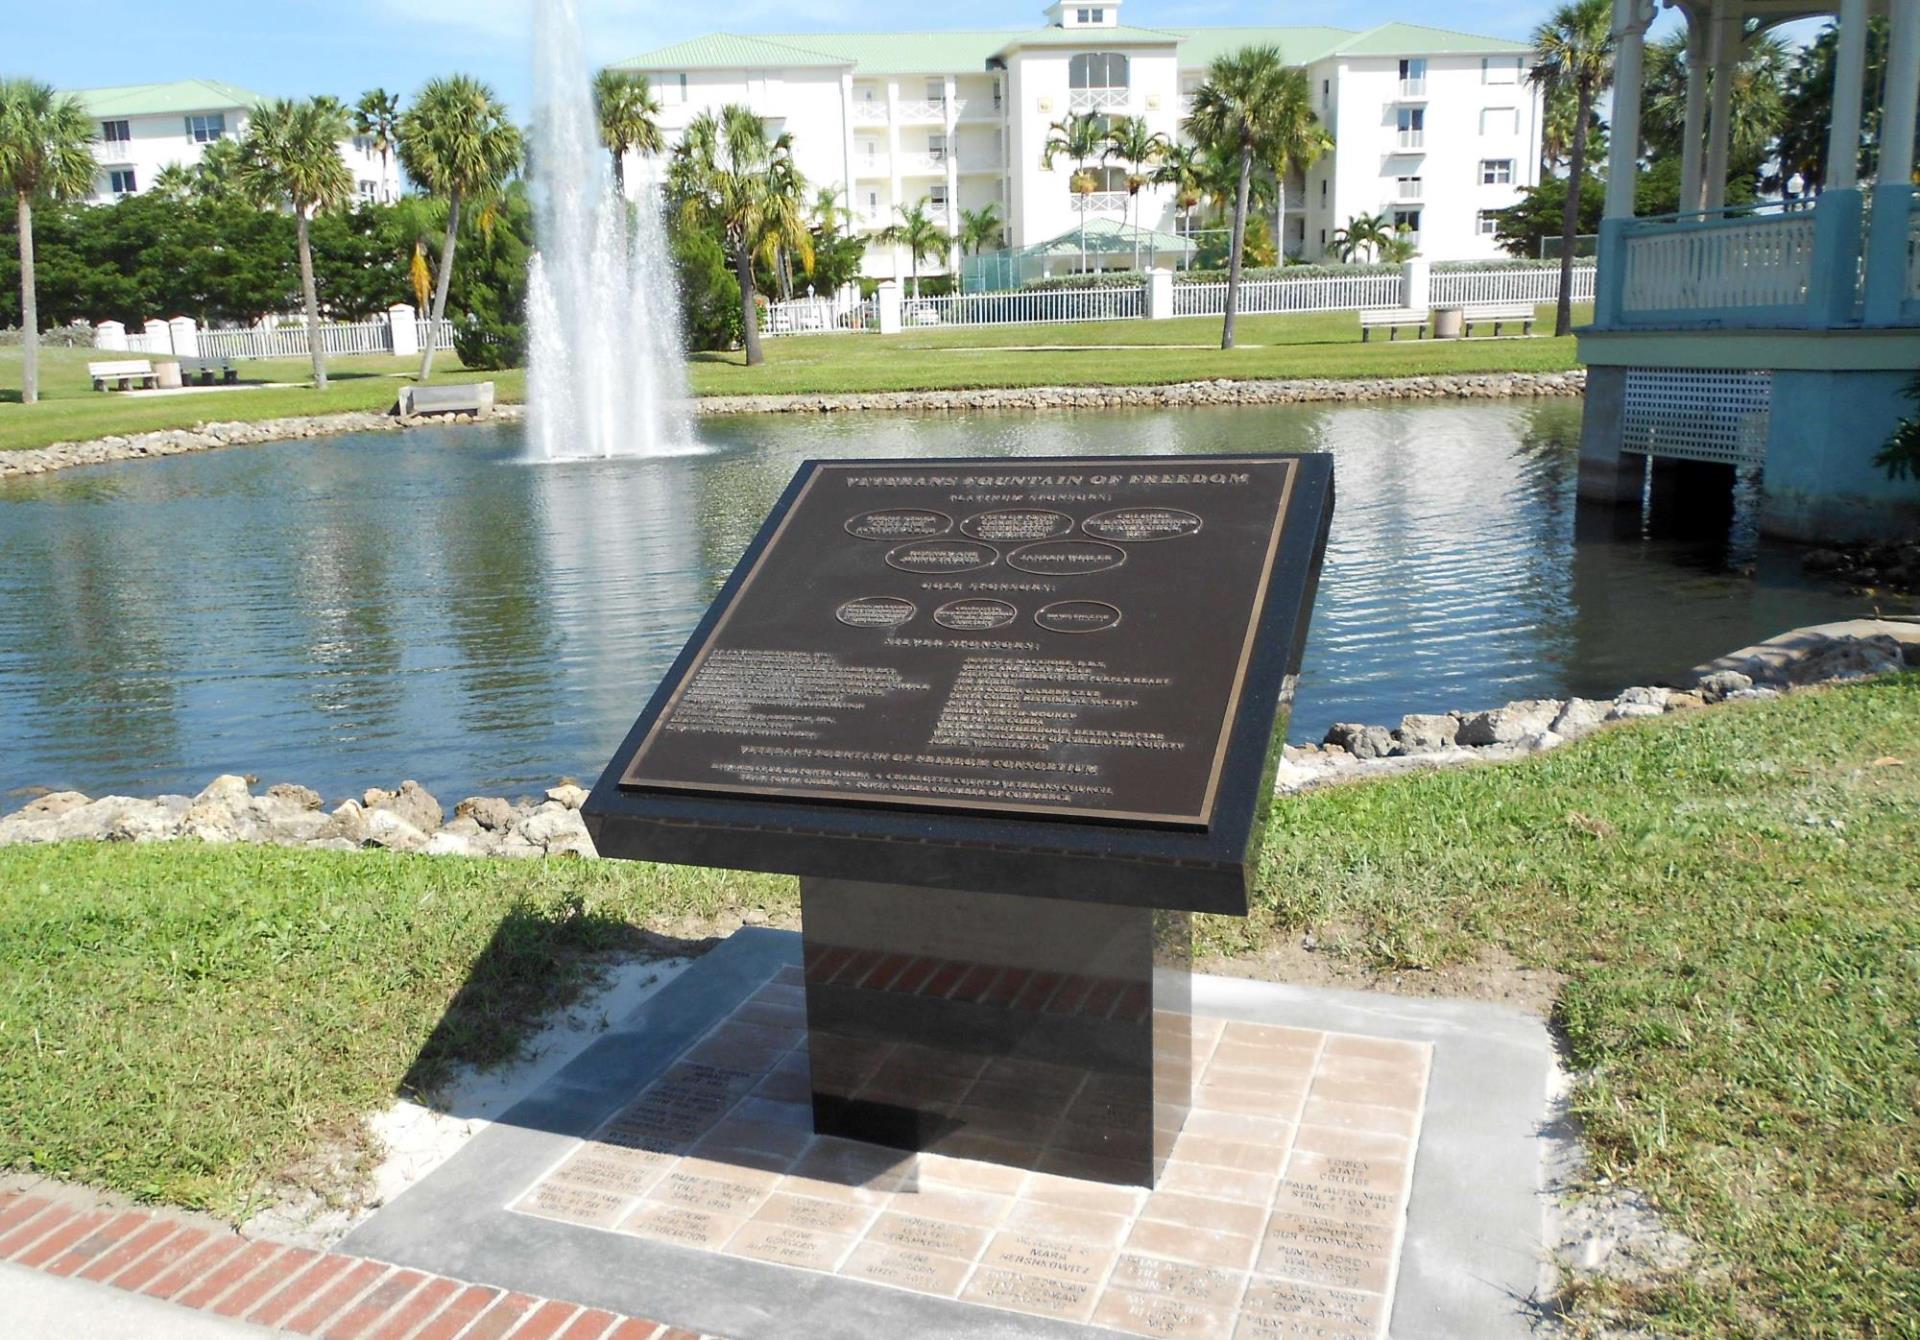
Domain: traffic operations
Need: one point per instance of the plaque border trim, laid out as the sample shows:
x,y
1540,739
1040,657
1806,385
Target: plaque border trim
x,y
988,808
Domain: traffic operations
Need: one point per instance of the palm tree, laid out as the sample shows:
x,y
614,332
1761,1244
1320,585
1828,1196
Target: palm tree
x,y
1299,141
456,141
46,153
1399,246
1080,137
1129,140
979,227
920,233
1364,232
1575,47
1238,108
829,215
629,118
175,182
377,116
1183,168
291,152
727,176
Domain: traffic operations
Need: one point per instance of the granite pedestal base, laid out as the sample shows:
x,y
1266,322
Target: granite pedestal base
x,y
1031,1032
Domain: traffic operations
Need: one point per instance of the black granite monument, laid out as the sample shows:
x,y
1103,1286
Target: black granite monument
x,y
1011,722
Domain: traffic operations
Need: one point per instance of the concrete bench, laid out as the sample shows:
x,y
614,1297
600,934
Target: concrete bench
x,y
121,375
475,398
1499,313
1393,319
208,369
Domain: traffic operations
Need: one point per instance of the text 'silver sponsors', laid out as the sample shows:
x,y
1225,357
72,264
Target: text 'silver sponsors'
x,y
1065,642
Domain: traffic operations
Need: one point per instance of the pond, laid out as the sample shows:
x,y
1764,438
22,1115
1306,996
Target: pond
x,y
347,612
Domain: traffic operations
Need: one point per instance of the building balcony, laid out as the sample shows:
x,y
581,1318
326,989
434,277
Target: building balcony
x,y
1412,141
1098,202
1413,90
1099,100
982,162
920,111
1409,190
869,168
978,109
932,164
869,112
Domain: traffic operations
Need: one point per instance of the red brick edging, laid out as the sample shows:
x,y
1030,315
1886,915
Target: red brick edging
x,y
324,1294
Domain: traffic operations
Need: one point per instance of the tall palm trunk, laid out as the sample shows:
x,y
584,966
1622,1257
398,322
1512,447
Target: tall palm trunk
x,y
749,316
1570,219
1135,202
315,349
619,172
1280,216
440,288
29,309
1239,240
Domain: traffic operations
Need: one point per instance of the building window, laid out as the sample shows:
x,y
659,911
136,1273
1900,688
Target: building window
x,y
206,129
1323,190
996,94
1499,69
937,197
1323,237
1408,219
1326,91
1406,188
1413,127
1499,120
1083,17
120,181
1413,77
1487,222
369,189
115,132
1496,172
680,84
937,147
1097,69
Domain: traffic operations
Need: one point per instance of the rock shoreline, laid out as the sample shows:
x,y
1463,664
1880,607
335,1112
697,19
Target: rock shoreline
x,y
212,435
410,819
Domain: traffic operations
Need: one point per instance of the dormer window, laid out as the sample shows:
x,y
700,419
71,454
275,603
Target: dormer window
x,y
1071,14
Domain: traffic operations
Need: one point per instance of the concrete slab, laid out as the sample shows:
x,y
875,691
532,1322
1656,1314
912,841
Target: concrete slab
x,y
1473,1231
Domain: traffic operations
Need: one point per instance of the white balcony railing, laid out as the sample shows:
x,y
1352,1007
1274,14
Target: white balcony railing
x,y
976,109
1095,202
1701,269
1413,139
1408,188
1099,99
872,165
985,161
869,112
921,109
923,164
1414,88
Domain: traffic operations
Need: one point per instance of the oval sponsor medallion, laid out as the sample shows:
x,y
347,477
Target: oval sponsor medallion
x,y
942,556
1138,524
1067,558
1077,616
972,616
899,523
876,612
1017,525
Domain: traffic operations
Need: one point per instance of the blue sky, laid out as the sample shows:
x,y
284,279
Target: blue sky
x,y
287,47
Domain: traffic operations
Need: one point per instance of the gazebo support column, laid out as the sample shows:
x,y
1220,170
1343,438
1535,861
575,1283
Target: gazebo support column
x,y
1693,147
1726,40
1893,195
1838,216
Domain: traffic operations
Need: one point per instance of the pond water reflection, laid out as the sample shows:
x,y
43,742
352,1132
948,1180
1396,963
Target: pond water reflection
x,y
346,612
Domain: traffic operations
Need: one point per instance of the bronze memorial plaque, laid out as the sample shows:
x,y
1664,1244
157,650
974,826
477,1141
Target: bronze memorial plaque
x,y
1063,640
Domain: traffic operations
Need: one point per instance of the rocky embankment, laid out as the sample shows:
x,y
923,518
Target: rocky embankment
x,y
1869,569
411,819
208,436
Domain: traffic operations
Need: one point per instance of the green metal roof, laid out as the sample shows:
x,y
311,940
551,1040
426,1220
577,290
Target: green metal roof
x,y
1411,39
182,95
1105,237
954,52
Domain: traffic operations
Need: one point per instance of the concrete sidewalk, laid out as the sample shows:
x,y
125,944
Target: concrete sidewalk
x,y
42,1307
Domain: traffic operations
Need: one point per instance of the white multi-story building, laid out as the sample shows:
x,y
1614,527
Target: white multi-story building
x,y
1433,129
143,128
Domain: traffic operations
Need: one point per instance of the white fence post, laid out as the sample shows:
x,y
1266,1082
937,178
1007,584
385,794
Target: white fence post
x,y
159,340
185,336
110,335
1159,295
889,298
1415,284
403,335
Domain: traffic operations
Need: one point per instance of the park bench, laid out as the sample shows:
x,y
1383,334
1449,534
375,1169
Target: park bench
x,y
1393,319
208,370
475,398
122,374
1499,313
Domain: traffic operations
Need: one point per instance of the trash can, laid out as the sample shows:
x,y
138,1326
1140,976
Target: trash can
x,y
166,376
1449,323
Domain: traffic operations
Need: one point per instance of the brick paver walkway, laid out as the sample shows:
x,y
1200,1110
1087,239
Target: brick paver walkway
x,y
325,1294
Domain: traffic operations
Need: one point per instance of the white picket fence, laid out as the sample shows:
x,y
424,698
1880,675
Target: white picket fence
x,y
1260,297
339,338
1026,307
815,316
1492,286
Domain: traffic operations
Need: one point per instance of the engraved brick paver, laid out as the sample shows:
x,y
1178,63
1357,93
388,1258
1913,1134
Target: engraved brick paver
x,y
1279,1213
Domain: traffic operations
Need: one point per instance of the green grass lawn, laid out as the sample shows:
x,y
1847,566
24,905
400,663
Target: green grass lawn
x,y
1730,899
1104,353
